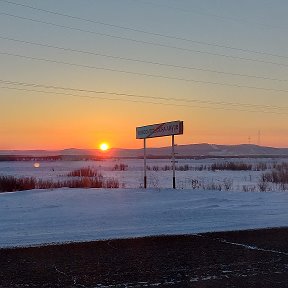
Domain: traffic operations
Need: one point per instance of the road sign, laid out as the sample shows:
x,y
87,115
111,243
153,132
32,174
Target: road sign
x,y
160,130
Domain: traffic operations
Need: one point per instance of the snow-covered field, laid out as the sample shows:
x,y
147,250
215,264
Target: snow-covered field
x,y
45,216
133,176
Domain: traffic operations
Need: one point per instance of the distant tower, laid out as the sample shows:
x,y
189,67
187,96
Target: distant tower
x,y
259,138
249,140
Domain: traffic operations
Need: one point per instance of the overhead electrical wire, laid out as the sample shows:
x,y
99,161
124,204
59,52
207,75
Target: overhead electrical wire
x,y
147,62
143,31
188,100
200,12
145,42
140,60
148,102
142,74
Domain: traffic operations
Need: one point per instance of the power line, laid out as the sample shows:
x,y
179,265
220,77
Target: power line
x,y
146,32
145,42
200,11
142,74
141,61
149,102
35,85
146,102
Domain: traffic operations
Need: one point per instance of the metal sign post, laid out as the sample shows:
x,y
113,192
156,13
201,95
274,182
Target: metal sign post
x,y
159,130
145,166
173,162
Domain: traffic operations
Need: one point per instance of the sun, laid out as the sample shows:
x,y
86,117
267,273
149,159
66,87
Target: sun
x,y
104,146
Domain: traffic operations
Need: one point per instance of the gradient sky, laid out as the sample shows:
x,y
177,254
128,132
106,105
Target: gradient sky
x,y
245,99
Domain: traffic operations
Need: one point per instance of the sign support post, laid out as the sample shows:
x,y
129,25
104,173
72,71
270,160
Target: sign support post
x,y
145,166
173,161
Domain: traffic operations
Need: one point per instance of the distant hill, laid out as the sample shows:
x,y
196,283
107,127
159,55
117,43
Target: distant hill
x,y
204,149
191,150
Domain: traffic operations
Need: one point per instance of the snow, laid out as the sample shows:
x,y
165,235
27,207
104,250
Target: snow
x,y
47,216
38,217
249,247
133,177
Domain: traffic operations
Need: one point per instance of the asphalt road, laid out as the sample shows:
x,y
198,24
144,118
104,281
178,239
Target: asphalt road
x,y
254,258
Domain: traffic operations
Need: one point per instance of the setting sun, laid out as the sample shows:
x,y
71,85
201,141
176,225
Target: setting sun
x,y
104,146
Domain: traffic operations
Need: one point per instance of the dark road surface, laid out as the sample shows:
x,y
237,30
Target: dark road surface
x,y
254,258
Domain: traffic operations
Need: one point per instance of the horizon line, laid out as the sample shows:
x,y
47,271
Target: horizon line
x,y
134,148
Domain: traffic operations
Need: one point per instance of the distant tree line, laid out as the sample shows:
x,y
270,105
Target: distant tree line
x,y
29,158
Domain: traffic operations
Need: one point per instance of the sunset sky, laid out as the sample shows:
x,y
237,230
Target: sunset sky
x,y
78,73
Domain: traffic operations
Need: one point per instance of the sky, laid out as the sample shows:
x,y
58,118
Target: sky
x,y
78,73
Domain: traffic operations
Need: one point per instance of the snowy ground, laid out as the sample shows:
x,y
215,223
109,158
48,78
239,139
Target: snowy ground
x,y
45,216
133,176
